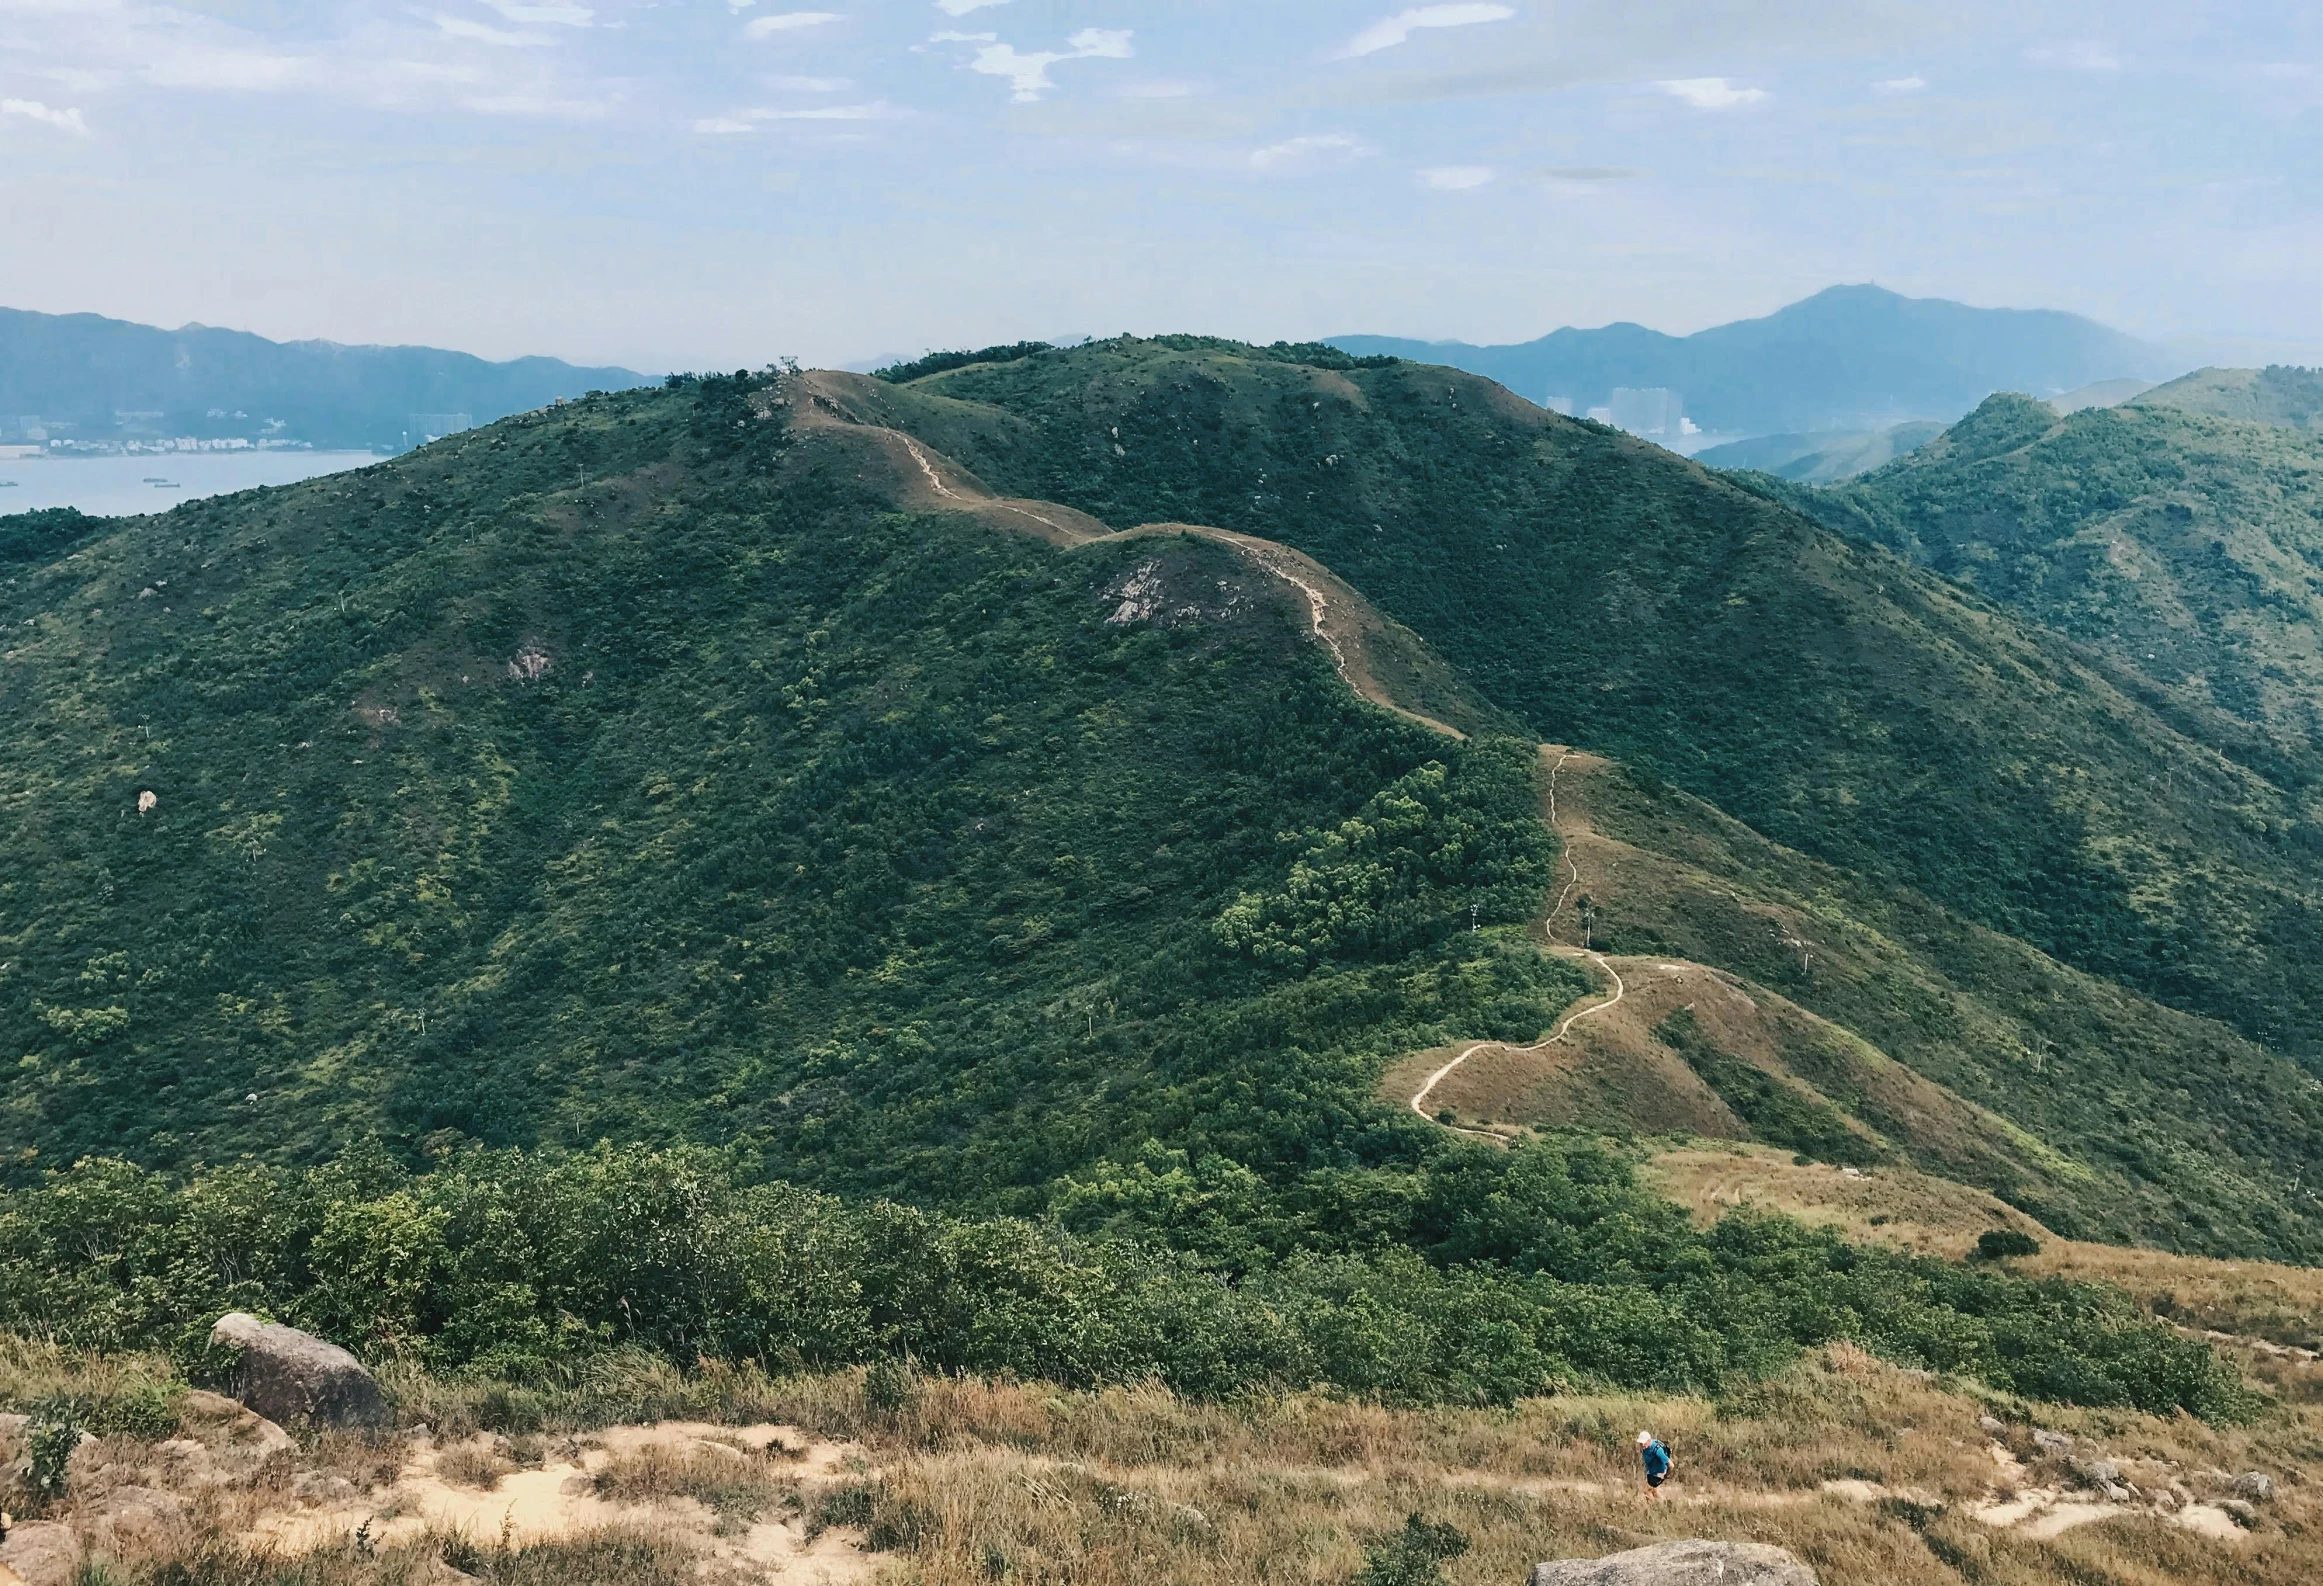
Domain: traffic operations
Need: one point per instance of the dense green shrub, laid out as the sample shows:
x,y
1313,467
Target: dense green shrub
x,y
1506,1274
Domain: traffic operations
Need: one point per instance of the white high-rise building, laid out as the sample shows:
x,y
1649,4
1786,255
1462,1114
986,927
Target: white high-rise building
x,y
1648,410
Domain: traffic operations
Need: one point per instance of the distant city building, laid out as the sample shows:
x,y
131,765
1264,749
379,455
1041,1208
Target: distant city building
x,y
1601,415
422,428
1559,404
1647,410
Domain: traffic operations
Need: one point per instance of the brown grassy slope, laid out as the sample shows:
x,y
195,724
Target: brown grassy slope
x,y
2095,1073
1899,1205
1876,1476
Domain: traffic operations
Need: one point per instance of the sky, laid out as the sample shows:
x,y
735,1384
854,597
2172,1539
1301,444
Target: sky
x,y
715,183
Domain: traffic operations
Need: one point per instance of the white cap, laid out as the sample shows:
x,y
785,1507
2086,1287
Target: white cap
x,y
1643,1438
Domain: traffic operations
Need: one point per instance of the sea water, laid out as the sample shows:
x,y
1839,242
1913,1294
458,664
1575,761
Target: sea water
x,y
121,486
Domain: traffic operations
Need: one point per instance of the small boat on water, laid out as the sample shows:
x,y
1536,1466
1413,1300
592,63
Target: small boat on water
x,y
165,484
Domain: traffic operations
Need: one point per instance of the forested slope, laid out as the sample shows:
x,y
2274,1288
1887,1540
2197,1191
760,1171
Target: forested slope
x,y
705,800
1823,690
2184,547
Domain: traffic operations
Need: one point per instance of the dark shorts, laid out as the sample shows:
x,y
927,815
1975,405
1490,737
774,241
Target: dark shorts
x,y
1656,1481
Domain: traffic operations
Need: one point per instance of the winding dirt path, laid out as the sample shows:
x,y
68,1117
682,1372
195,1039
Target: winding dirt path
x,y
1620,990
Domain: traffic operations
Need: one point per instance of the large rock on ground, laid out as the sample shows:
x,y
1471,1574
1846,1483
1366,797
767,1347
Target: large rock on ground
x,y
42,1553
1681,1564
286,1375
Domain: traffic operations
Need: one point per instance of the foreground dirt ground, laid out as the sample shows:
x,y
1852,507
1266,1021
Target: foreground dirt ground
x,y
1876,1476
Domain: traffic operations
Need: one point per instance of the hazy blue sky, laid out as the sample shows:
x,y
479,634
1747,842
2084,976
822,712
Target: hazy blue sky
x,y
710,183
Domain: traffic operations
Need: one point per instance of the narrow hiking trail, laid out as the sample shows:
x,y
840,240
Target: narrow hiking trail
x,y
1548,926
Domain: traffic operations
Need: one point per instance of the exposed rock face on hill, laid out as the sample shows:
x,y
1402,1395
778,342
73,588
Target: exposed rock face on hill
x,y
287,1375
1681,1564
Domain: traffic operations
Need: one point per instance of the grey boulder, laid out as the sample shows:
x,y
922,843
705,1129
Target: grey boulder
x,y
286,1375
1681,1564
42,1553
2255,1485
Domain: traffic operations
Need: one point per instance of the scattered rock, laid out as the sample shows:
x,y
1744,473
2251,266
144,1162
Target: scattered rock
x,y
43,1552
2115,1492
2049,1442
139,1520
2167,1500
2255,1485
321,1487
287,1375
1681,1564
2097,1472
2244,1515
1992,1426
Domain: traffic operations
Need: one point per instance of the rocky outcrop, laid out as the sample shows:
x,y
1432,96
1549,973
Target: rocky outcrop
x,y
1681,1564
42,1553
286,1375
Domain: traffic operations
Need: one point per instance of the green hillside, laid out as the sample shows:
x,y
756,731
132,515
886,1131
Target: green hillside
x,y
642,772
1825,692
2186,548
697,803
2277,394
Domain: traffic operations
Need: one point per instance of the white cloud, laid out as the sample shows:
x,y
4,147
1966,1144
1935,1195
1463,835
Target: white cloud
x,y
810,85
1388,32
751,120
1309,152
1107,44
34,110
960,8
1027,71
789,22
477,32
1712,93
1456,178
571,16
2080,55
1902,85
1159,91
877,110
230,70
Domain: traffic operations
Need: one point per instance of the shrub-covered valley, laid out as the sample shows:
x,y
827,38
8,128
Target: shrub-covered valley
x,y
770,875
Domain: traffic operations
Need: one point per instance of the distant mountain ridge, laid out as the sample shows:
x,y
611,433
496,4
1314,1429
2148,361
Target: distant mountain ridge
x,y
1848,358
84,377
2277,394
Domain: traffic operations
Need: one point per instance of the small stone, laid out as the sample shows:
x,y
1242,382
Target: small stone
x,y
2048,1442
2115,1492
147,801
1992,1426
321,1486
1692,1563
2167,1501
2242,1513
2255,1485
2097,1472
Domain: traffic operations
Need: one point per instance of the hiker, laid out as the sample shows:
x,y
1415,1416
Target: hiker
x,y
1657,1464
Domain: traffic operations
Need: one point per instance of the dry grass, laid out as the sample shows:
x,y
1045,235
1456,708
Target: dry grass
x,y
2253,1299
984,1482
737,1484
477,1462
631,1558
